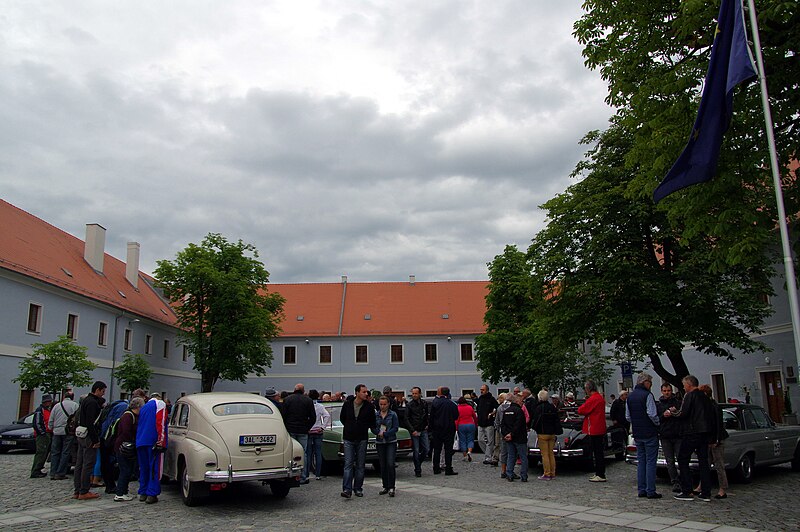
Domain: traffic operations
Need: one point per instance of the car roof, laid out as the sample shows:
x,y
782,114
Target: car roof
x,y
210,399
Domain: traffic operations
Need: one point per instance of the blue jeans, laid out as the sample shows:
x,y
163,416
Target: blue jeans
x,y
421,449
125,472
313,451
355,456
387,456
646,455
59,454
302,439
466,438
514,451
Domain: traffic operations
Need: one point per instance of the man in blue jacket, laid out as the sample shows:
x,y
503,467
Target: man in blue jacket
x,y
642,414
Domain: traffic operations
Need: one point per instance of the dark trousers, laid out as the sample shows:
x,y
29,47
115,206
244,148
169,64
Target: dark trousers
x,y
420,447
107,467
125,471
84,465
60,450
42,449
598,452
387,454
440,440
698,444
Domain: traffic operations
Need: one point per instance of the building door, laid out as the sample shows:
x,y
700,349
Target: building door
x,y
773,389
718,388
25,403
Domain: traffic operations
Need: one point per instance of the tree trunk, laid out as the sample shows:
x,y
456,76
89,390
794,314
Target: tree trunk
x,y
207,381
679,365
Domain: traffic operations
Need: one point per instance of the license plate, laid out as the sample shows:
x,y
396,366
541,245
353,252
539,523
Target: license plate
x,y
8,442
371,446
258,439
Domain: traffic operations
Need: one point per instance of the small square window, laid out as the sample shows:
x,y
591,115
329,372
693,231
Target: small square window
x,y
127,340
72,326
362,354
466,353
396,354
34,318
102,334
431,353
325,354
289,355
148,344
431,393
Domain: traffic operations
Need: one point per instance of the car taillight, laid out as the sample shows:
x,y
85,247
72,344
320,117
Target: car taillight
x,y
405,444
566,441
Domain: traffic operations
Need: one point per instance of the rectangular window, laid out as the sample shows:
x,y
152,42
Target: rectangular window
x,y
718,388
362,354
430,393
148,344
166,348
185,353
289,355
325,354
502,390
102,334
127,340
72,326
396,354
465,391
34,318
466,353
431,354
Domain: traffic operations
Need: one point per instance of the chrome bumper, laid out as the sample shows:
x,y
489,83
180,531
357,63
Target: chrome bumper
x,y
292,470
564,453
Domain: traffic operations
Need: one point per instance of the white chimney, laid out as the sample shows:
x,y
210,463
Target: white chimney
x,y
95,246
132,264
412,279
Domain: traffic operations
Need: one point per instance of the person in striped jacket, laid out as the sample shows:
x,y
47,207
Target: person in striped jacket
x,y
151,443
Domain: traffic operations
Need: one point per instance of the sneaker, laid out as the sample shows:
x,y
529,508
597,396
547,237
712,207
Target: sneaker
x,y
524,479
515,476
704,498
120,498
495,463
417,474
677,488
642,494
597,478
88,496
359,493
683,497
502,475
450,472
151,499
543,477
487,462
384,491
391,492
469,457
142,498
346,494
75,495
320,478
510,479
304,482
654,496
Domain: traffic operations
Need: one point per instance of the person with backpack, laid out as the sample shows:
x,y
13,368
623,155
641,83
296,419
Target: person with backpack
x,y
123,435
110,414
88,435
61,418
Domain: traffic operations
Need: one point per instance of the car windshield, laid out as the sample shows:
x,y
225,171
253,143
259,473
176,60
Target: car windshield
x,y
235,409
335,412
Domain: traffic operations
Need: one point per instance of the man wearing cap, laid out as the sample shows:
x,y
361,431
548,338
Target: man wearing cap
x,y
569,400
273,396
41,416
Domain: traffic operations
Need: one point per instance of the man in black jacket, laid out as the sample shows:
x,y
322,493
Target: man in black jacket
x,y
416,419
443,416
88,436
670,433
486,407
694,414
515,433
299,416
357,417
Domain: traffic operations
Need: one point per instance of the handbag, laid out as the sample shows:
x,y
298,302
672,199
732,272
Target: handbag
x,y
81,432
127,449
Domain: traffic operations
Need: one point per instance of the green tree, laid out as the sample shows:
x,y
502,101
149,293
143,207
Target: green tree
x,y
54,366
134,372
228,319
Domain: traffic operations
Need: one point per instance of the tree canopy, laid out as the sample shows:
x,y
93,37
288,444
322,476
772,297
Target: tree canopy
x,y
133,372
54,366
228,319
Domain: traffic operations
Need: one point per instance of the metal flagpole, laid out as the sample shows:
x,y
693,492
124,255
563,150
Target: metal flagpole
x,y
788,263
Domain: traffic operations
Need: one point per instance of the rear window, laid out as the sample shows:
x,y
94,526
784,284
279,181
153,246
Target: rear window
x,y
336,414
236,409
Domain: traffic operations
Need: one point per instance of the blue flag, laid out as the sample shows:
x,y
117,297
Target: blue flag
x,y
730,65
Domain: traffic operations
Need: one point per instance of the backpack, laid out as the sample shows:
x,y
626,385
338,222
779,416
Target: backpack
x,y
110,435
72,421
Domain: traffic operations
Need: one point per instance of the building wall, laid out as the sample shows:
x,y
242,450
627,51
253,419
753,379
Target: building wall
x,y
171,375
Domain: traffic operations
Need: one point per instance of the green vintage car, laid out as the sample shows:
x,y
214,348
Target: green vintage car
x,y
333,448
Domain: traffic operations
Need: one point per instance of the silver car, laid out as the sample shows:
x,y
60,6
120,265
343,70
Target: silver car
x,y
219,438
754,440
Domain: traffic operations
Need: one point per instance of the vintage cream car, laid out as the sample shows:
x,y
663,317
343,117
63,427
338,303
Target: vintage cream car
x,y
222,437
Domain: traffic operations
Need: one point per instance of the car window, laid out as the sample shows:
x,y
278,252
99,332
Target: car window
x,y
183,420
336,413
761,418
173,418
28,419
730,421
749,420
235,409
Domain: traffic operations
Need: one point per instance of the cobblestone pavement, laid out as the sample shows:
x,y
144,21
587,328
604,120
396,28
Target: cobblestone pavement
x,y
476,499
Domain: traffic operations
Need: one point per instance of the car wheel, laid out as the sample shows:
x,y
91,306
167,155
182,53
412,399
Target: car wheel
x,y
279,489
192,493
796,459
744,469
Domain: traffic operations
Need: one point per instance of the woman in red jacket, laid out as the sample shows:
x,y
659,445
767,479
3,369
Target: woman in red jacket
x,y
594,426
465,424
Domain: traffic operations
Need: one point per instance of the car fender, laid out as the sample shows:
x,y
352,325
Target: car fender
x,y
197,456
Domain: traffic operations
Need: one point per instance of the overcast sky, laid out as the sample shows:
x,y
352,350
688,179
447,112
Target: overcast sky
x,y
373,139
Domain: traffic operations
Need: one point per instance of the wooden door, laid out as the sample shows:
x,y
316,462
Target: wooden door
x,y
773,389
25,403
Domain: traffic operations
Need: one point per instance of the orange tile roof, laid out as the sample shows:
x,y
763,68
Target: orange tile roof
x,y
393,308
36,249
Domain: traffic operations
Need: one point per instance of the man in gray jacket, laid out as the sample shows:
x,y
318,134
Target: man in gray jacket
x,y
61,448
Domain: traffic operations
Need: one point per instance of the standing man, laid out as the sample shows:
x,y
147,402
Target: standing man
x,y
151,444
618,411
417,412
88,435
322,420
529,403
515,433
486,407
299,416
42,433
695,413
594,425
670,433
641,412
358,418
62,440
443,416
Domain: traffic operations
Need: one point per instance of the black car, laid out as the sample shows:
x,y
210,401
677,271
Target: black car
x,y
18,435
575,447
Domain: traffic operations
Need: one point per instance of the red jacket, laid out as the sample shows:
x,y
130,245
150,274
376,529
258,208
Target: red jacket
x,y
594,412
